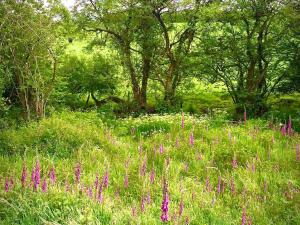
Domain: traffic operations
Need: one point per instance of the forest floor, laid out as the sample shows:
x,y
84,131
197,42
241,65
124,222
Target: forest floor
x,y
74,168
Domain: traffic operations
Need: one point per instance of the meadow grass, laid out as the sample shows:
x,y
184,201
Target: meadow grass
x,y
215,172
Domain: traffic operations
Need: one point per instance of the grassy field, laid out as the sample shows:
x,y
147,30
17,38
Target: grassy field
x,y
76,168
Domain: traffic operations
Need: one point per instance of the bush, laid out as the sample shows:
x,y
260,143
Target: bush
x,y
59,135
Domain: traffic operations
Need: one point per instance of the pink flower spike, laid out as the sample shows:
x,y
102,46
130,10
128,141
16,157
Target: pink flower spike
x,y
44,186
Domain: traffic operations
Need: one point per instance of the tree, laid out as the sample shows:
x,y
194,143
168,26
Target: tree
x,y
128,25
28,55
245,46
89,76
177,21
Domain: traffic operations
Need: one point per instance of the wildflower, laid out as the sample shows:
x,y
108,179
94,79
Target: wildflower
x,y
165,204
133,211
77,173
161,149
234,162
6,185
24,176
96,183
245,115
52,176
192,139
100,194
143,167
36,175
142,204
126,180
244,216
283,130
105,179
181,206
44,185
219,185
152,175
148,197
90,191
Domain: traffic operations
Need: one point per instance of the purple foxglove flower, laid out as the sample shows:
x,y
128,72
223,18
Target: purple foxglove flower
x,y
165,204
106,179
232,186
133,211
161,149
283,130
148,197
244,220
37,175
142,204
245,116
126,180
52,175
24,176
90,191
219,185
44,185
77,173
143,168
192,142
96,183
152,175
234,163
100,194
6,185
182,120
181,206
